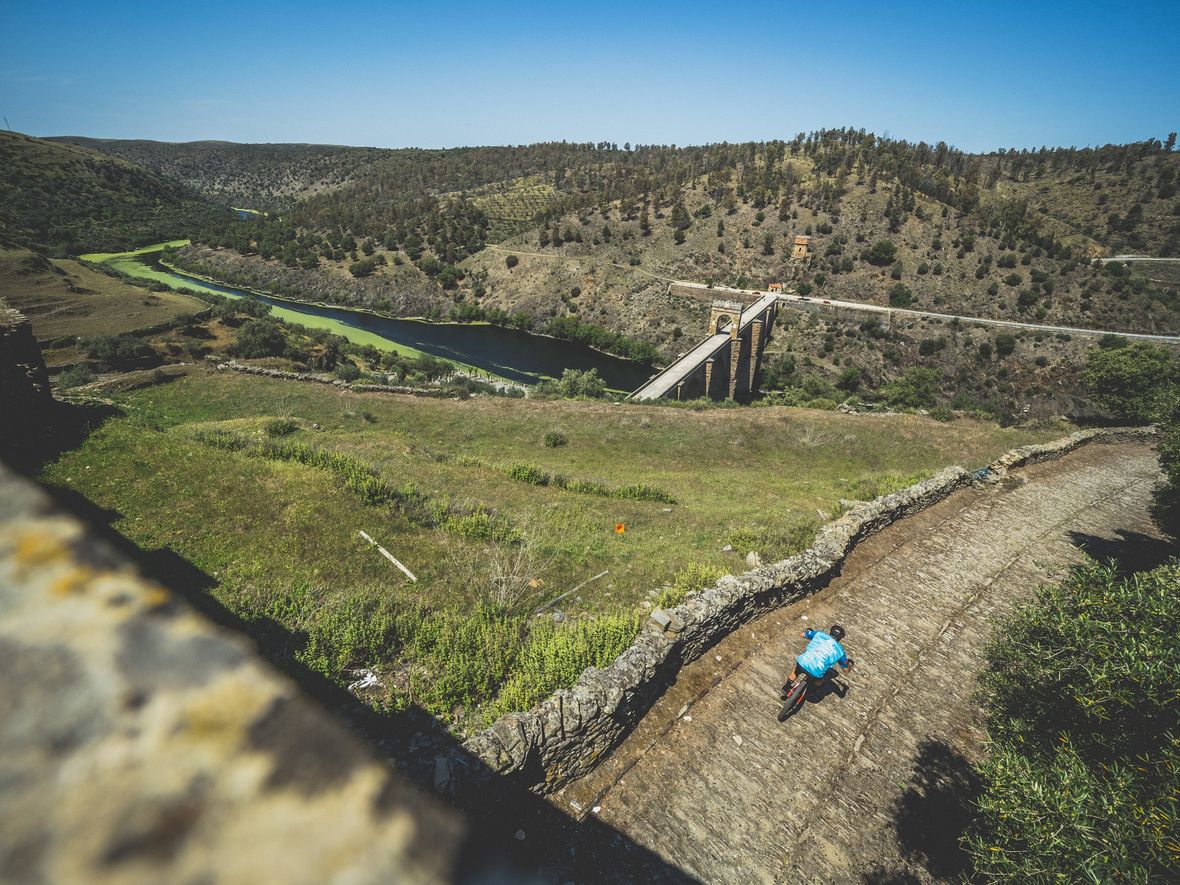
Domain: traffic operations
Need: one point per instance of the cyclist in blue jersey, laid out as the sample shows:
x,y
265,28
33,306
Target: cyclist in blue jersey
x,y
823,652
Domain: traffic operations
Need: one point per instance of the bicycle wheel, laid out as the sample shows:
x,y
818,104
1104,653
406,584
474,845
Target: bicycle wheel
x,y
794,699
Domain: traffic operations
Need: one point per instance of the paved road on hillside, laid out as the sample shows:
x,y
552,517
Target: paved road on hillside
x,y
876,309
863,787
834,304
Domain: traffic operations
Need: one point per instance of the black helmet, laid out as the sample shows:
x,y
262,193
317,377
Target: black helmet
x,y
836,632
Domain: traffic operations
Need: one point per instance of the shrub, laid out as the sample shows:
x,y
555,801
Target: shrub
x,y
900,296
641,492
692,578
849,380
555,655
259,338
555,439
529,473
280,427
1005,344
917,387
882,253
1130,381
348,372
119,351
75,376
511,261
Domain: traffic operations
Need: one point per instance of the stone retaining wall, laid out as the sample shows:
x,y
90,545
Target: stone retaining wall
x,y
334,382
564,737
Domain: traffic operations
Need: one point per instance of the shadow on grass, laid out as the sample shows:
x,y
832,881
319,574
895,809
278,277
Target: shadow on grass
x,y
496,809
930,817
1127,551
33,441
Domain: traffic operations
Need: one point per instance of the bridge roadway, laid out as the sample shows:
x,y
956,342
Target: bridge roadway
x,y
861,788
878,310
663,383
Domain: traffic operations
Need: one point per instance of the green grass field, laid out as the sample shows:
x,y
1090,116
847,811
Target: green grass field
x,y
280,538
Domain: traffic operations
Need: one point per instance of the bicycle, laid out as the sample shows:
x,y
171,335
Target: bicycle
x,y
798,693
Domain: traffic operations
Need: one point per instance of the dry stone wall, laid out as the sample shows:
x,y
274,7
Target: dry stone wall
x,y
334,382
564,737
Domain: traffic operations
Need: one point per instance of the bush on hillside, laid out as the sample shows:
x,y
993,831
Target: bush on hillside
x,y
119,351
259,338
1130,381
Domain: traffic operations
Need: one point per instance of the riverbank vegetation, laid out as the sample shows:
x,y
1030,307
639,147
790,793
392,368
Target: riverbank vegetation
x,y
262,485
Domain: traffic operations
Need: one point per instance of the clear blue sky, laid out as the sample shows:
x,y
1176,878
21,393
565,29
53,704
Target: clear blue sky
x,y
979,76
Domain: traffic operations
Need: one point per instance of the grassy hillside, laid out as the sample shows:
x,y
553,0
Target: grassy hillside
x,y
63,200
217,468
533,234
64,298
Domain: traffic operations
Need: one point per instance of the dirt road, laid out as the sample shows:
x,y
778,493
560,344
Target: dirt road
x,y
868,786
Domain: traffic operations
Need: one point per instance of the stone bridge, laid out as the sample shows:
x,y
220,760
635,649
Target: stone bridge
x,y
727,364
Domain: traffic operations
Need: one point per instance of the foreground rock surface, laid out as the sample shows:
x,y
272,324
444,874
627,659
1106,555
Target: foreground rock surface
x,y
140,743
869,786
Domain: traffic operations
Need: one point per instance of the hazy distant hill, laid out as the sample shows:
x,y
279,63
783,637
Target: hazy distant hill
x,y
63,199
263,176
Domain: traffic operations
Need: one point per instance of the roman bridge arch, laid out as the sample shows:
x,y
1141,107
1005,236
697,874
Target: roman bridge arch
x,y
727,364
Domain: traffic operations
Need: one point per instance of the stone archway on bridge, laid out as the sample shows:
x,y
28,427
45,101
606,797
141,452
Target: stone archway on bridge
x,y
722,313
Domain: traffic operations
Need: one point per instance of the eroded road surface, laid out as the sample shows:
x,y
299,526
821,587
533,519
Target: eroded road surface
x,y
868,786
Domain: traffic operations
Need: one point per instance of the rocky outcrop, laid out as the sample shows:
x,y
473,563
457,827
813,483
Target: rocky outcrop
x,y
565,736
25,398
141,743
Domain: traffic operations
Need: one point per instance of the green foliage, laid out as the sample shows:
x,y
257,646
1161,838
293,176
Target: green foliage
x,y
348,371
900,296
693,577
75,376
1083,778
259,338
64,200
1130,381
534,475
882,252
280,427
849,379
1005,344
119,351
917,387
530,473
554,656
363,268
792,534
866,488
570,328
642,492
511,261
575,383
555,439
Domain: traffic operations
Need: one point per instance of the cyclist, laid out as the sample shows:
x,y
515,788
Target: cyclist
x,y
823,652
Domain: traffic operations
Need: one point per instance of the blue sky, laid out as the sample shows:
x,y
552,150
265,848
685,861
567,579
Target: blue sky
x,y
979,76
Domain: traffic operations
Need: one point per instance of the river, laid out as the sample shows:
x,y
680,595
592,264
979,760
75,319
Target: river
x,y
511,354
